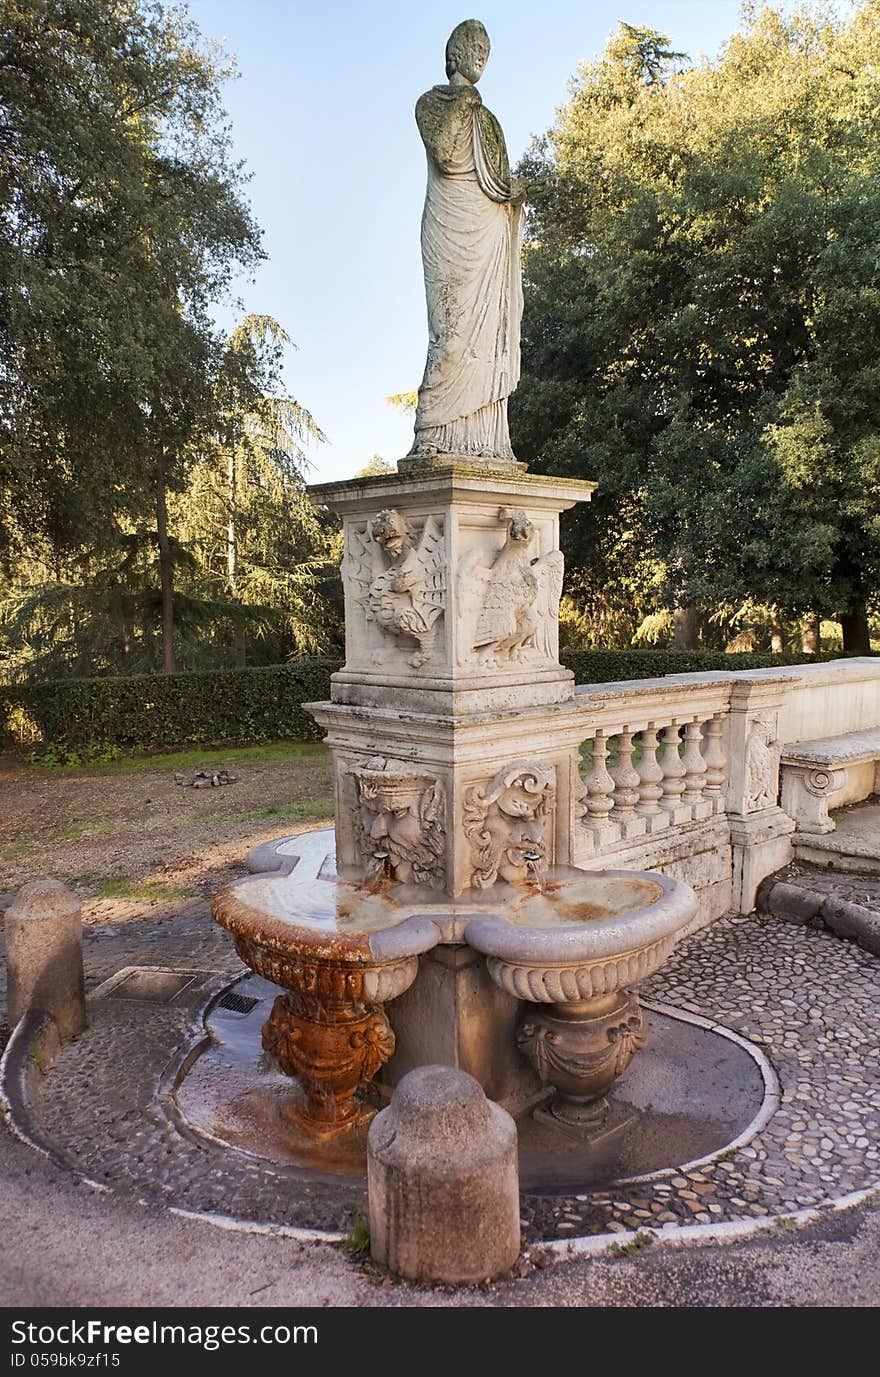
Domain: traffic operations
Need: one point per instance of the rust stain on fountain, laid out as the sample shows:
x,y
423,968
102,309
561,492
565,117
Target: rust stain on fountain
x,y
328,1030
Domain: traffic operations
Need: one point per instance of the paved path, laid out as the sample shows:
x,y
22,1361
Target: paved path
x,y
76,1246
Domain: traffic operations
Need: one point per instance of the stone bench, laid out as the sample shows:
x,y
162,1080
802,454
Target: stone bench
x,y
831,772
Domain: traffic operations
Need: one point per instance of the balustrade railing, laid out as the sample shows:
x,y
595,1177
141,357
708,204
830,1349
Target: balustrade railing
x,y
649,774
685,768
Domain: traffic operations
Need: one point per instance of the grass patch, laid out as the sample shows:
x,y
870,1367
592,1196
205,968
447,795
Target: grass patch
x,y
783,1224
357,1240
642,1240
77,830
189,758
86,878
210,757
312,810
122,887
18,848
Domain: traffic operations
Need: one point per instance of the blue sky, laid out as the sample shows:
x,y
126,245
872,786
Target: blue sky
x,y
322,115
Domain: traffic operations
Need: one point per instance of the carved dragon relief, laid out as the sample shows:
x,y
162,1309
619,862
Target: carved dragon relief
x,y
506,823
399,580
510,607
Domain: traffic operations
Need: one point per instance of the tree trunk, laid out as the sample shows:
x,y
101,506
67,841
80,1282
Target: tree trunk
x,y
777,632
856,636
684,621
811,641
232,555
166,573
231,534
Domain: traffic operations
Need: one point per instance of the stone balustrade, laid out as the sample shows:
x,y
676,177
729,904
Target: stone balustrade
x,y
641,780
682,773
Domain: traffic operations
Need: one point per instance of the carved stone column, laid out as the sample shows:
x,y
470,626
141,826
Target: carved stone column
x,y
760,831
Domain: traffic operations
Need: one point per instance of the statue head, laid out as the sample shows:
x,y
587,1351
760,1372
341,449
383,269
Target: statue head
x,y
519,528
389,530
467,51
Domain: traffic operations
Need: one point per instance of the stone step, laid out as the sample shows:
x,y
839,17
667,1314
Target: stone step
x,y
809,901
840,850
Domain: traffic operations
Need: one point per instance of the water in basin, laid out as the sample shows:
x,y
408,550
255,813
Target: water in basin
x,y
560,905
326,906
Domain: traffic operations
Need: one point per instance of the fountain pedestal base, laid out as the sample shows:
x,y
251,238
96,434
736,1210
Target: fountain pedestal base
x,y
331,1049
580,1048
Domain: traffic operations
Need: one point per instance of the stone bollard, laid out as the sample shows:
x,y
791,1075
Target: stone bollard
x,y
443,1180
44,956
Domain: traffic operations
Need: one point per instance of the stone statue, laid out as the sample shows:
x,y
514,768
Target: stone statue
x,y
471,243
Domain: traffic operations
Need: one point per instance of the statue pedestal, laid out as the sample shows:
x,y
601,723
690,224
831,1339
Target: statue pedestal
x,y
451,722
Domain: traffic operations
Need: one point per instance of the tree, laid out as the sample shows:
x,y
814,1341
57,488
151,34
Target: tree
x,y
702,328
122,223
265,559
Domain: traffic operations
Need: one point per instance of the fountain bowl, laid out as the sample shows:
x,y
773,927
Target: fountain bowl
x,y
571,948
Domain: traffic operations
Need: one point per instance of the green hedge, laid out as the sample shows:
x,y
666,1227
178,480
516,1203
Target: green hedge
x,y
91,717
150,711
607,666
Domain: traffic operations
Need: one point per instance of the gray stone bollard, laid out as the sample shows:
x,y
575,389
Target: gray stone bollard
x,y
443,1180
44,955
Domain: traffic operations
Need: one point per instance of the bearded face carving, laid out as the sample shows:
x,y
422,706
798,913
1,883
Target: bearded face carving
x,y
401,826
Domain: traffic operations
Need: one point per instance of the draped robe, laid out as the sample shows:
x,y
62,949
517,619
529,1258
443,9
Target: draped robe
x,y
471,245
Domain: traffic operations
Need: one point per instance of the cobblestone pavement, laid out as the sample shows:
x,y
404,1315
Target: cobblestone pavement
x,y
842,902
810,1000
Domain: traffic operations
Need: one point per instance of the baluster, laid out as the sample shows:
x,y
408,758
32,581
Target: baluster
x,y
716,760
600,786
650,775
673,770
626,779
694,764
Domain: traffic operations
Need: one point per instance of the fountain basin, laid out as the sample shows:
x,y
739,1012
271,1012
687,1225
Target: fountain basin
x,y
572,950
340,952
583,934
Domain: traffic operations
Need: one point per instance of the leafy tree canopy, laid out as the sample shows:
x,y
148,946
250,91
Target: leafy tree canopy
x,y
702,329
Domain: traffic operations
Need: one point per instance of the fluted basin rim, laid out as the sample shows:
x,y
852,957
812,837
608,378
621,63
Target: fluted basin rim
x,y
596,939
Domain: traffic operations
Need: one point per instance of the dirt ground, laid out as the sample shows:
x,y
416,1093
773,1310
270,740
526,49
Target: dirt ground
x,y
133,842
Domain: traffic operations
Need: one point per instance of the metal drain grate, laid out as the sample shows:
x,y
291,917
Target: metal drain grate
x,y
238,1004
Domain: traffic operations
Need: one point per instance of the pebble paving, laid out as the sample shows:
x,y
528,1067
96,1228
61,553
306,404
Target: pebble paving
x,y
810,1000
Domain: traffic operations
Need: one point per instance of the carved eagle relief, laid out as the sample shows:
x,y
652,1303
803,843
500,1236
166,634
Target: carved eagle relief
x,y
517,597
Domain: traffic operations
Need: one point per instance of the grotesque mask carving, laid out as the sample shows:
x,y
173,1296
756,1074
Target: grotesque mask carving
x,y
506,823
400,821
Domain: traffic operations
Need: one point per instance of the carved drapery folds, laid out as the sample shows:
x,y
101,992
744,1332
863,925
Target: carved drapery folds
x,y
399,580
400,823
511,606
580,1050
506,823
